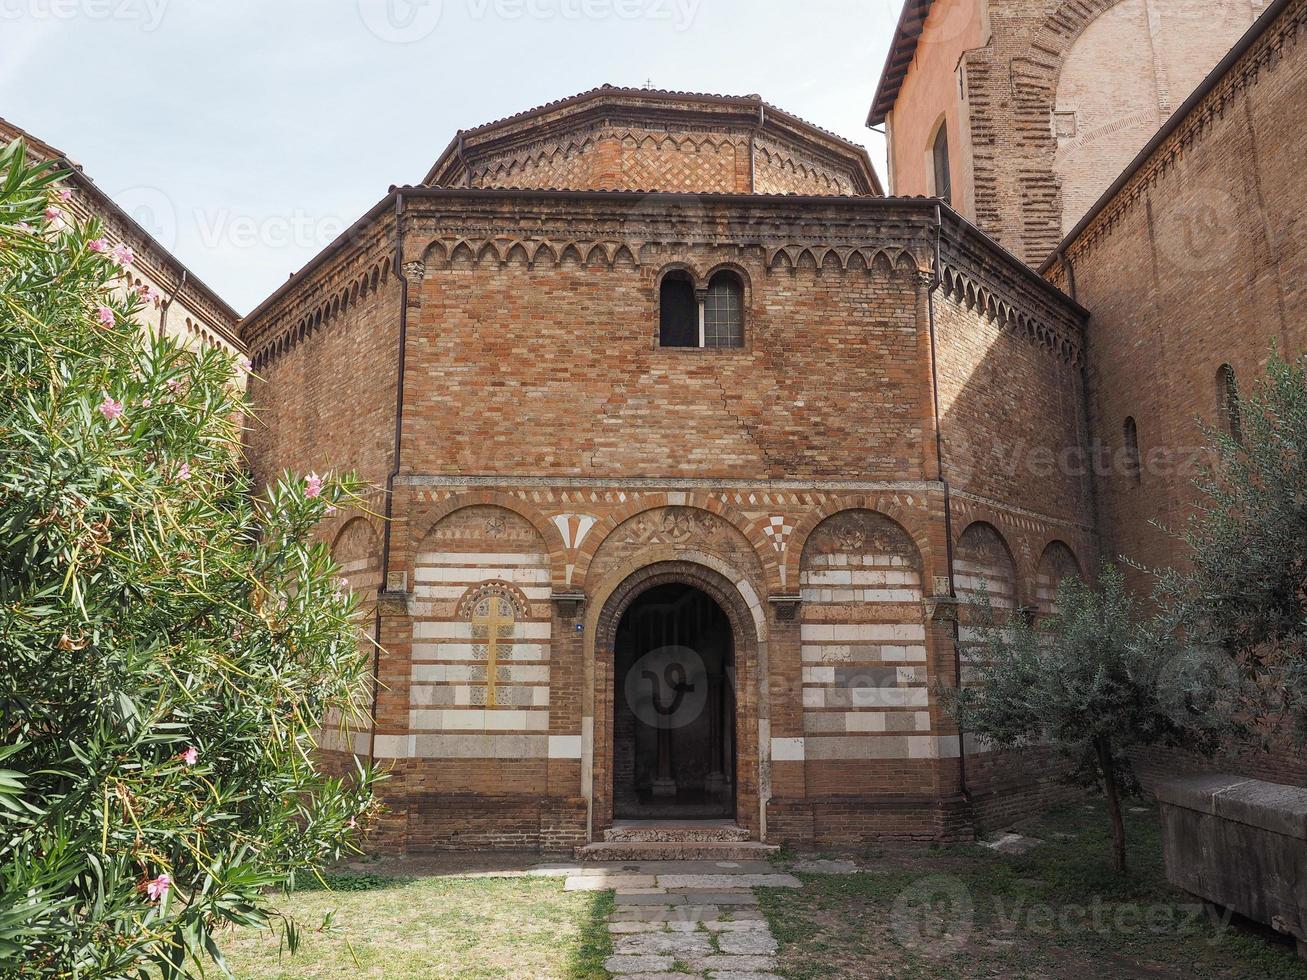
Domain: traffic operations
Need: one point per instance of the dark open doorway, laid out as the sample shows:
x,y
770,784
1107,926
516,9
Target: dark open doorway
x,y
674,708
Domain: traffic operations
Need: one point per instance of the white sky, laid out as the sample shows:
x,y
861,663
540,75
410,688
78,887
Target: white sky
x,y
248,133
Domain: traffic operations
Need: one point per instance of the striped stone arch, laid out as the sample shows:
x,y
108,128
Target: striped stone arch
x,y
863,647
435,513
1056,563
907,519
983,564
752,531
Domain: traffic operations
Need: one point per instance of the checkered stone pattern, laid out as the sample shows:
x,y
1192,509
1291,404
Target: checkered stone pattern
x,y
481,637
778,530
863,651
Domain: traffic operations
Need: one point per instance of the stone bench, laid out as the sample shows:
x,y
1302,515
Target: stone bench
x,y
1240,843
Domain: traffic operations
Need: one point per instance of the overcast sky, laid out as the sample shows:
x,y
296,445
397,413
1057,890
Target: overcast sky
x,y
248,133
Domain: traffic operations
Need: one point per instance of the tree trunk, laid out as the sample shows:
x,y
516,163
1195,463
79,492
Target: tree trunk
x,y
1113,795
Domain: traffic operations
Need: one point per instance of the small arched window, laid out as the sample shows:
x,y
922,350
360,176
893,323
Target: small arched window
x,y
1130,433
678,311
939,162
1227,400
723,312
689,317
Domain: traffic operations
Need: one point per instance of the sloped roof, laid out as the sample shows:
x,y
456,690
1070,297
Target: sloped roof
x,y
44,151
657,99
901,52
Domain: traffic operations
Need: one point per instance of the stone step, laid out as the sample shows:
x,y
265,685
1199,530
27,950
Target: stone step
x,y
675,832
636,850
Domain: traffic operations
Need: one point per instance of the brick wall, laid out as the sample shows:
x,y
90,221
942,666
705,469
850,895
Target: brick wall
x,y
1048,100
1197,263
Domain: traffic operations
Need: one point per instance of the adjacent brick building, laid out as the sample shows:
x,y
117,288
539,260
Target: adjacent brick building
x,y
182,305
640,370
1193,265
1022,112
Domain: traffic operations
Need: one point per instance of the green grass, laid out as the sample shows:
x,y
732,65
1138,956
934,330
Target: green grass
x,y
433,927
1057,911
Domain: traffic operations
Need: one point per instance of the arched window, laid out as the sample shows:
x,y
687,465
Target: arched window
x,y
709,318
939,161
1131,439
723,312
1227,400
678,311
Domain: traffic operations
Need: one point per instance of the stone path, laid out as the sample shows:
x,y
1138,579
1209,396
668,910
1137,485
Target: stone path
x,y
688,918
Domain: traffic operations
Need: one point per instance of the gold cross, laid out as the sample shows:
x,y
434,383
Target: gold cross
x,y
493,618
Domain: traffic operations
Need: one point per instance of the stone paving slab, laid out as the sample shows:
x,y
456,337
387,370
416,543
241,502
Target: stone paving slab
x,y
600,883
665,913
726,881
733,975
824,867
742,925
678,944
754,943
623,965
739,964
668,899
743,897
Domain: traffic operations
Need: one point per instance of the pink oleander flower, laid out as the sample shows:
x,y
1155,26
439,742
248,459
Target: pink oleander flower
x,y
184,472
148,293
105,316
25,228
331,510
313,486
147,402
158,887
122,254
353,823
110,409
191,756
98,245
52,213
175,386
64,194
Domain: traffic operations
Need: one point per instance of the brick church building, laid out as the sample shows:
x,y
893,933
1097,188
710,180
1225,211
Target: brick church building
x,y
689,446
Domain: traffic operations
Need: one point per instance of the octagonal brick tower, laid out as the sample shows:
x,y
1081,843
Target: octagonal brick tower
x,y
640,370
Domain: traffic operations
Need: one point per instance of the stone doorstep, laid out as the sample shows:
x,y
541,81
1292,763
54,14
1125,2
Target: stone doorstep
x,y
707,852
676,831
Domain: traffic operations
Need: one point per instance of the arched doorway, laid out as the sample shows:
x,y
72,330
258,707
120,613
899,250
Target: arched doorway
x,y
674,737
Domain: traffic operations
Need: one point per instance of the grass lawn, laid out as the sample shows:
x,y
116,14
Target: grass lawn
x,y
1058,911
435,927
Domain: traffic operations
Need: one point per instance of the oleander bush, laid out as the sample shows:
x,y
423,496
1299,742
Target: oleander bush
x,y
169,642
